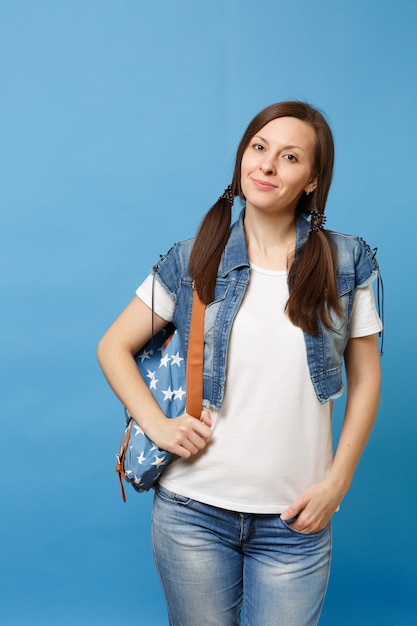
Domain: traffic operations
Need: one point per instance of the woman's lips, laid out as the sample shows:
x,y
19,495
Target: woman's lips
x,y
262,184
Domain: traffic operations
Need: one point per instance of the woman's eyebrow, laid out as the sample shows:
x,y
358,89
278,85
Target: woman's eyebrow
x,y
289,147
261,138
294,147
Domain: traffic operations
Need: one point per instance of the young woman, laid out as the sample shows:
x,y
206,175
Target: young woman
x,y
242,518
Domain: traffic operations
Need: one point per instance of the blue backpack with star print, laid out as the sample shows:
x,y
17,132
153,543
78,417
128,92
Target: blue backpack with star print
x,y
162,366
139,461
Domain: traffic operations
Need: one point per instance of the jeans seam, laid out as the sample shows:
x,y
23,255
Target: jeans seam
x,y
155,560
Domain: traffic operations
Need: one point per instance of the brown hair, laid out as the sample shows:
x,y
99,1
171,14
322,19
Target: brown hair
x,y
312,276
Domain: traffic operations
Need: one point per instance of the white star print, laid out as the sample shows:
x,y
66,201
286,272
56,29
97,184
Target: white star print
x,y
159,460
141,458
176,359
151,375
138,429
152,384
168,393
144,355
164,361
178,393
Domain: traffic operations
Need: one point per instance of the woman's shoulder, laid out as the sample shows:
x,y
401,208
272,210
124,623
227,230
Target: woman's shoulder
x,y
355,256
180,250
172,267
349,242
346,238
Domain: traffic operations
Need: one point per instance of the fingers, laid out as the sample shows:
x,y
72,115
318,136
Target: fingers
x,y
301,510
302,521
311,511
192,435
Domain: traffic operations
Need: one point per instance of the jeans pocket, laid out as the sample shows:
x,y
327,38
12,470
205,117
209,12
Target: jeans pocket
x,y
289,522
172,498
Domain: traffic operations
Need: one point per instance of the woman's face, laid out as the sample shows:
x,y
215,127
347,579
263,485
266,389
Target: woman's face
x,y
277,165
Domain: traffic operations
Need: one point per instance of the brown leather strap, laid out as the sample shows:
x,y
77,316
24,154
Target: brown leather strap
x,y
195,358
120,458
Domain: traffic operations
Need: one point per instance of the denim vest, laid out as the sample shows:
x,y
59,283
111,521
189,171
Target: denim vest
x,y
356,267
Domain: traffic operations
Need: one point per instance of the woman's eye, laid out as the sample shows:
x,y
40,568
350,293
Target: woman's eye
x,y
258,146
291,157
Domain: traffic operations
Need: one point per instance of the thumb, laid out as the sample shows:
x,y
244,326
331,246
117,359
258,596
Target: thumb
x,y
205,417
293,510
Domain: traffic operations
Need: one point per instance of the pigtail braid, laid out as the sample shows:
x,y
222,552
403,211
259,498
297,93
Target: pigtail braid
x,y
209,245
312,282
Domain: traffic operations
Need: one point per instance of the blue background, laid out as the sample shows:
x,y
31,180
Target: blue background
x,y
118,126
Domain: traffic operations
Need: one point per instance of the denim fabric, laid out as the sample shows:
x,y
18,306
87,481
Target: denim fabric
x,y
356,267
212,562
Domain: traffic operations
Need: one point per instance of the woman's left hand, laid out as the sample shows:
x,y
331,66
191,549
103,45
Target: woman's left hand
x,y
314,507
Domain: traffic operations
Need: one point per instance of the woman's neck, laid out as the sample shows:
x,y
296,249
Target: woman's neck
x,y
270,239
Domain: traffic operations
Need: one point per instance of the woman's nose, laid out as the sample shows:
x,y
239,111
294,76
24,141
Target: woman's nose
x,y
267,166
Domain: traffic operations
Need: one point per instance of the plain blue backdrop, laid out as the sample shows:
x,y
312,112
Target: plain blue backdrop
x,y
118,126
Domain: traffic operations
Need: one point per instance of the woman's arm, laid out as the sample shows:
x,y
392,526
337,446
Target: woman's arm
x,y
183,435
316,505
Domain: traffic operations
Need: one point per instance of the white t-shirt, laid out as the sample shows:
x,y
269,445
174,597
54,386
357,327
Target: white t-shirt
x,y
272,438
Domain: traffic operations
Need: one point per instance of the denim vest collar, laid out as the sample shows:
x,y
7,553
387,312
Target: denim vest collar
x,y
235,254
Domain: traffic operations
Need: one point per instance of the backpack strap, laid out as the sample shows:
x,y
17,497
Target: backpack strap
x,y
195,358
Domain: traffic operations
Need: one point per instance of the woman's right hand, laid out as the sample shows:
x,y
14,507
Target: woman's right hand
x,y
184,436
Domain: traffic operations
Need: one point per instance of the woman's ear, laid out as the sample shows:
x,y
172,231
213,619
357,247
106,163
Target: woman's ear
x,y
311,185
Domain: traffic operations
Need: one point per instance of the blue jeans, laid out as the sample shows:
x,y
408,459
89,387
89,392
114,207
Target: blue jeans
x,y
212,562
